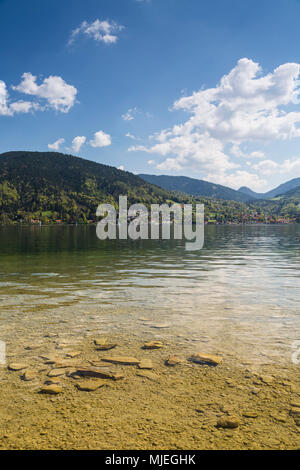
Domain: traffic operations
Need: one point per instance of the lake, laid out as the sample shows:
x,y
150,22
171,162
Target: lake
x,y
239,294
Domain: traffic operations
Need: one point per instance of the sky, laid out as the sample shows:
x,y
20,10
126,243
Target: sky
x,y
206,89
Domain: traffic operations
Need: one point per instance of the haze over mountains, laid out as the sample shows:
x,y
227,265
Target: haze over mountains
x,y
198,187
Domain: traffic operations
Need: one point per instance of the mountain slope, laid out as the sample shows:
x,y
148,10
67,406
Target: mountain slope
x,y
196,187
53,185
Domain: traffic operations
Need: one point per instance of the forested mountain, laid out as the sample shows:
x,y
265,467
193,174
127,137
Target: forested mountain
x,y
50,186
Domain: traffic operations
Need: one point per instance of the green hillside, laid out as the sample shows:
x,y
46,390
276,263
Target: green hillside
x,y
49,186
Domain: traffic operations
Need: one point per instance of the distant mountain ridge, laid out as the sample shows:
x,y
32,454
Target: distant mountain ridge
x,y
196,187
202,188
281,189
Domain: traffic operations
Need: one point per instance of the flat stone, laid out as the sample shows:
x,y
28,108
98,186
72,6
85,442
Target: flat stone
x,y
29,375
56,372
90,385
250,414
153,345
98,373
16,366
51,389
73,354
51,335
228,422
53,381
145,364
173,361
124,360
102,344
210,359
267,379
148,375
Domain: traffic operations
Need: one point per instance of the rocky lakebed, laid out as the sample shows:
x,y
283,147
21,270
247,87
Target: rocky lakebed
x,y
117,391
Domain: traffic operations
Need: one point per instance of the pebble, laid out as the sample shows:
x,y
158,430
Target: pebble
x,y
51,389
228,422
17,366
73,354
102,344
98,373
29,375
250,414
145,364
148,375
55,372
173,361
90,385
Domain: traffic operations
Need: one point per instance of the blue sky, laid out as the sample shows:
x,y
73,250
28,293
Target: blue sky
x,y
207,89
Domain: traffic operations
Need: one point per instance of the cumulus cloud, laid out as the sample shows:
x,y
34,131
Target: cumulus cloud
x,y
269,167
121,167
77,143
8,108
54,90
246,106
100,139
56,145
101,31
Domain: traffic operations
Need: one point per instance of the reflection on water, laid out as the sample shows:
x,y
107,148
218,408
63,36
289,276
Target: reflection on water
x,y
242,288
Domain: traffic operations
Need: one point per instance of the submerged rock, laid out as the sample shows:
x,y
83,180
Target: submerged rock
x,y
73,354
210,359
97,373
29,375
148,375
153,345
145,364
51,389
16,366
173,361
90,385
102,344
250,414
55,372
228,422
124,360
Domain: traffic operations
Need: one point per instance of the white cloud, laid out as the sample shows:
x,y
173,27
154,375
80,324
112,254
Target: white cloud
x,y
56,145
130,136
9,109
269,167
238,179
100,139
77,143
130,114
57,93
245,107
121,167
104,31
